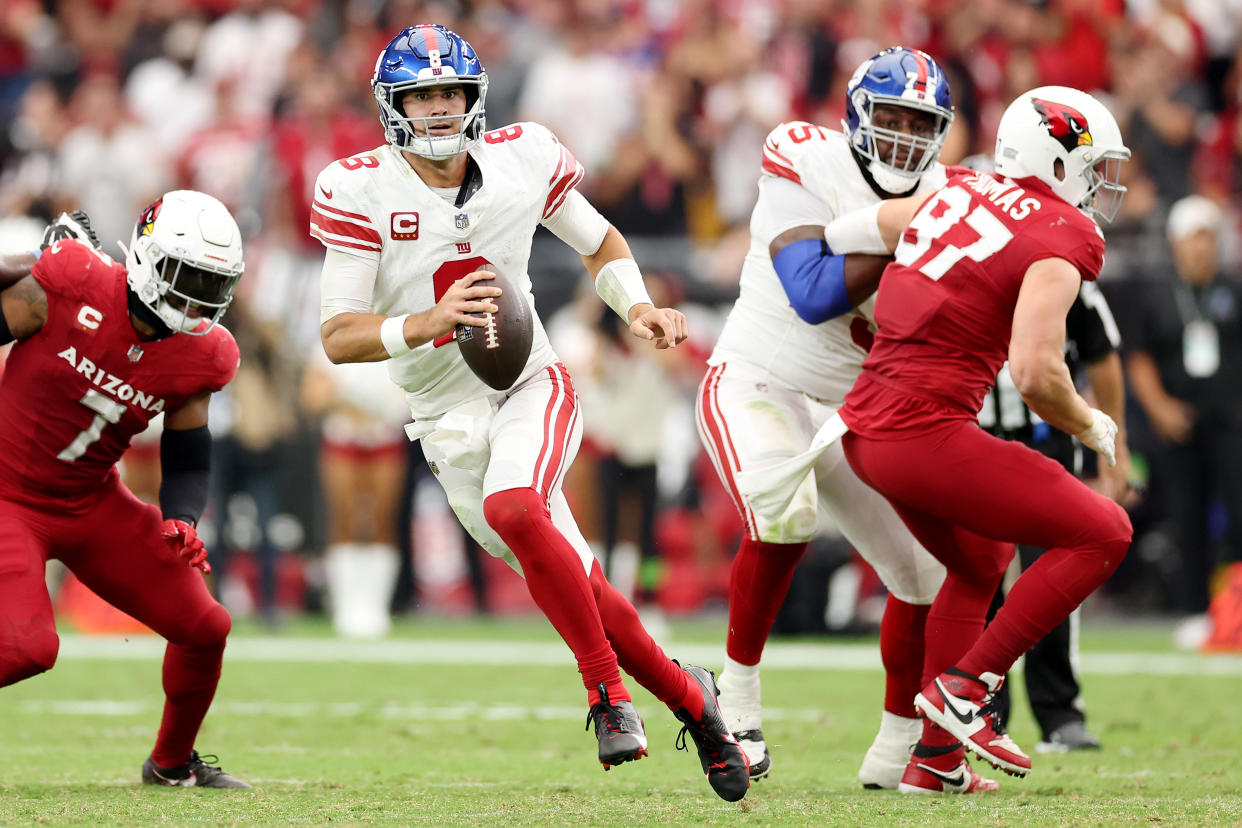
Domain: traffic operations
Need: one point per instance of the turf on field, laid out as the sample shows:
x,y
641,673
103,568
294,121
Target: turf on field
x,y
452,723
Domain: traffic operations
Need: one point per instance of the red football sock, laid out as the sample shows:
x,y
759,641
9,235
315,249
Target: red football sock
x,y
901,650
191,673
557,582
638,653
1041,598
956,620
758,583
936,736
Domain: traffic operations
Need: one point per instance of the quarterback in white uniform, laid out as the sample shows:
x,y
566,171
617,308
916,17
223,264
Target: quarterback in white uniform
x,y
413,230
791,348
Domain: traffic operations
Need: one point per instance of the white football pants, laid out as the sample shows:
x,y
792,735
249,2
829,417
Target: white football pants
x,y
525,437
747,421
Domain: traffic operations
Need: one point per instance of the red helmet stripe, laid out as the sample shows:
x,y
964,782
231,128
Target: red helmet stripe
x,y
920,83
431,39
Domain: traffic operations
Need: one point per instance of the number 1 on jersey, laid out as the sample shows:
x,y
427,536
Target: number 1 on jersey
x,y
939,219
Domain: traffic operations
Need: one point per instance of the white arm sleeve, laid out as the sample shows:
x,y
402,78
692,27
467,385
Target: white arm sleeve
x,y
857,232
346,284
578,224
783,205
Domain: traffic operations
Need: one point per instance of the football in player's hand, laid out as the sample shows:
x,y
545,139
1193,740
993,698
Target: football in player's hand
x,y
497,352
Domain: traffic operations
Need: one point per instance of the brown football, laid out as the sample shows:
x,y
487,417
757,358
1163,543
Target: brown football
x,y
497,352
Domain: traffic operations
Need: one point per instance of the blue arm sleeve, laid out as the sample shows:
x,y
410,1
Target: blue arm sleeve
x,y
814,280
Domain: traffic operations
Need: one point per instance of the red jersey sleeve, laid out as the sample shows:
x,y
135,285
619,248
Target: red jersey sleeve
x,y
1070,235
69,267
224,360
954,170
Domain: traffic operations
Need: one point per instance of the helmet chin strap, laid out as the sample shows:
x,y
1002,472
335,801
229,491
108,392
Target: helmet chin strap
x,y
864,165
148,317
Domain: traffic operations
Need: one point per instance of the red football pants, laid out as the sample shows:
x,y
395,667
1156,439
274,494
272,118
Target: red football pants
x,y
968,497
116,550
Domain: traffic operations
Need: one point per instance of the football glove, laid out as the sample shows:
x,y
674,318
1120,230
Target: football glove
x,y
75,225
1100,436
183,542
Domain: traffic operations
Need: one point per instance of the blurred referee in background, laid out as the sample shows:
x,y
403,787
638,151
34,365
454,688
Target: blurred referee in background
x,y
1092,344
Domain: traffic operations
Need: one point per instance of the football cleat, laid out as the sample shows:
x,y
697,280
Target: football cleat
x,y
1073,735
618,729
756,749
743,714
886,760
942,770
195,773
722,758
962,704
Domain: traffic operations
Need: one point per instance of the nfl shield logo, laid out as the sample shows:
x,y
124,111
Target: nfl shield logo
x,y
135,353
462,221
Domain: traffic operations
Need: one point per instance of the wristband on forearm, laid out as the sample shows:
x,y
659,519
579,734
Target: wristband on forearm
x,y
620,284
392,334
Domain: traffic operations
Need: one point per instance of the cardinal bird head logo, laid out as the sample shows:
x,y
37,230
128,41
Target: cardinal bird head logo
x,y
146,221
1064,123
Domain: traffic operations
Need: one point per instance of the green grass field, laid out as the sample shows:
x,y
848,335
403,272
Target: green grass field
x,y
470,722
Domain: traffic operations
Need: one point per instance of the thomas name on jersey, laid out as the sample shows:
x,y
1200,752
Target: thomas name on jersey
x,y
1004,194
111,383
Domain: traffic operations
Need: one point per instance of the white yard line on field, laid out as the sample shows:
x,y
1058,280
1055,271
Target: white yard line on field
x,y
776,656
384,710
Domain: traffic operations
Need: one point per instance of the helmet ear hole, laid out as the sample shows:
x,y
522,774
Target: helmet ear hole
x,y
1058,169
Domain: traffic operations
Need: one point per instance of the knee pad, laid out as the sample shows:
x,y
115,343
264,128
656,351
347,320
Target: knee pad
x,y
211,630
916,584
28,654
513,509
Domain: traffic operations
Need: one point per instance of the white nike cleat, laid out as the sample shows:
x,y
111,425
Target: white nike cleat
x,y
886,760
962,704
742,709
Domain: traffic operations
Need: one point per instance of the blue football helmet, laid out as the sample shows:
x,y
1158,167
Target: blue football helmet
x,y
424,56
906,78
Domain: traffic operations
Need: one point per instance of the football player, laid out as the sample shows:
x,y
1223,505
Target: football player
x,y
102,348
988,267
790,350
412,230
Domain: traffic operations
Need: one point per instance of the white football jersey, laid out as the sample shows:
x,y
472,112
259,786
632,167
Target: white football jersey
x,y
374,205
809,177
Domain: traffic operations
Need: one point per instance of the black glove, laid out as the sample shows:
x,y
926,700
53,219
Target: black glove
x,y
75,225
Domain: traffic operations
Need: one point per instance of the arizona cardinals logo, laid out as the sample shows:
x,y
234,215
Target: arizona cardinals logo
x,y
146,221
1064,123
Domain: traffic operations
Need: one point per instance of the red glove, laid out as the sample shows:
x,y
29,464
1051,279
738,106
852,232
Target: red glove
x,y
183,542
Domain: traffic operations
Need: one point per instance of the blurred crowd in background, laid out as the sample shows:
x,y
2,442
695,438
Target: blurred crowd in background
x,y
105,104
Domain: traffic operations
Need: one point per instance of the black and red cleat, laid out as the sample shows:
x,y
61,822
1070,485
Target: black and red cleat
x,y
722,758
618,729
962,704
195,773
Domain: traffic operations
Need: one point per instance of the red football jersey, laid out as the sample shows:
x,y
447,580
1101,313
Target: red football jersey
x,y
73,395
945,305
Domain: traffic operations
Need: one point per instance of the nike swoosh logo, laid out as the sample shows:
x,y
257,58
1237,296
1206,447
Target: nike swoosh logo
x,y
186,782
326,193
948,704
956,780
